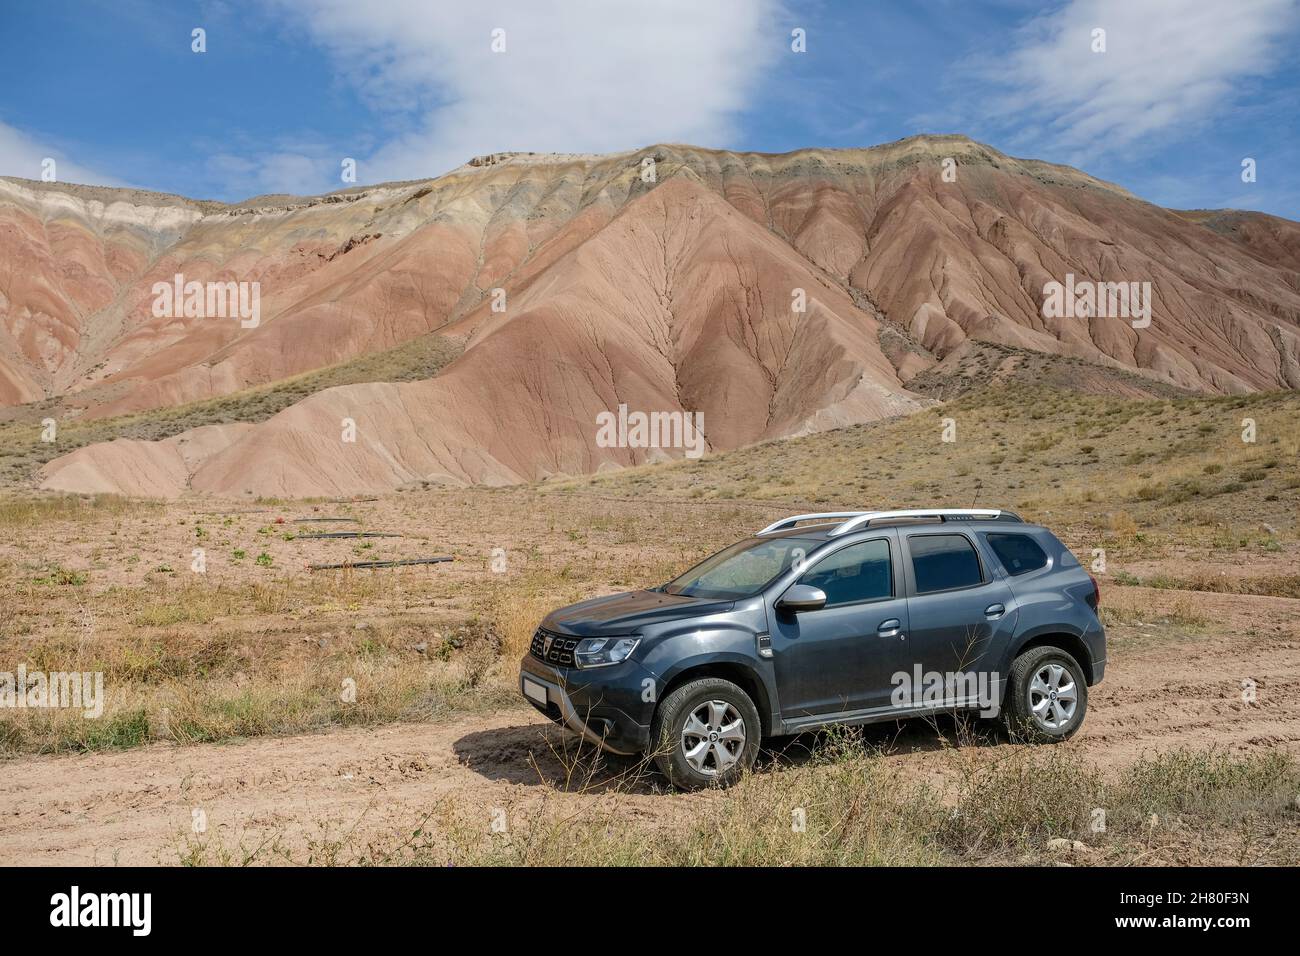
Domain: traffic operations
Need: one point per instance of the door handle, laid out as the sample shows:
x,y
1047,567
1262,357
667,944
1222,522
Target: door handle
x,y
890,628
995,610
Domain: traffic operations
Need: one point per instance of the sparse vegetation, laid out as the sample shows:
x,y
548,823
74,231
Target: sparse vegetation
x,y
259,646
278,628
22,452
848,805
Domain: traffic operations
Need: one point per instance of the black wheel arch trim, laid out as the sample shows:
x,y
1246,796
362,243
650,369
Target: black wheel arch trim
x,y
738,669
1049,635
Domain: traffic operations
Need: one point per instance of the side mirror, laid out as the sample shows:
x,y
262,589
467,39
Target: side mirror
x,y
802,597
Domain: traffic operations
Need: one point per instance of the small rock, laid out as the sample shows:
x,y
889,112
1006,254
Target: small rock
x,y
421,647
1073,846
1270,529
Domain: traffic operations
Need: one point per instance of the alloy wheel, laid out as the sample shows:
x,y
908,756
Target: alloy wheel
x,y
713,737
1053,698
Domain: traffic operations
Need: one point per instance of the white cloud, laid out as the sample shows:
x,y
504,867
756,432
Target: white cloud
x,y
21,155
282,171
576,75
1167,64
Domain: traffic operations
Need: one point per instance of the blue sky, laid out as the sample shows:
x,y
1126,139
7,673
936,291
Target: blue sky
x,y
111,89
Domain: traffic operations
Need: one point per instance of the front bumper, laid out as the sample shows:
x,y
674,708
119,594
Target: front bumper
x,y
599,712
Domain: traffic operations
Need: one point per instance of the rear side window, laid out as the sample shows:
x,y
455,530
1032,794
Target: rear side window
x,y
860,572
942,562
1018,553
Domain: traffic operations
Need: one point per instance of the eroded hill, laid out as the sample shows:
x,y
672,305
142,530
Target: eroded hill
x,y
576,284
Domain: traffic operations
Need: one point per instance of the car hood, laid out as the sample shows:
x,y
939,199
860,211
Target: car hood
x,y
622,613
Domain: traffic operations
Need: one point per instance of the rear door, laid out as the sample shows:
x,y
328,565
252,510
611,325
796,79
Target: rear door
x,y
961,610
838,659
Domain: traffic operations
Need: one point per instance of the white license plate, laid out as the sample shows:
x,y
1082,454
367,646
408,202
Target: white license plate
x,y
535,691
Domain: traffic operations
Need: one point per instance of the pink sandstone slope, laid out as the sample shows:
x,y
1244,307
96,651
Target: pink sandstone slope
x,y
150,469
679,303
670,295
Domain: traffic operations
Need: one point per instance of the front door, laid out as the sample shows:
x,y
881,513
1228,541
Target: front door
x,y
839,658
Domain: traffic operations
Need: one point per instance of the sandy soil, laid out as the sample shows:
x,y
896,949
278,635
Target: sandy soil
x,y
1167,686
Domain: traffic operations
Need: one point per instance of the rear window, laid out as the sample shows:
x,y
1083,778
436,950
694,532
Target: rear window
x,y
1018,553
942,562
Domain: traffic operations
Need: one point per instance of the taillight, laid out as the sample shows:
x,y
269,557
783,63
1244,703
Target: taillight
x,y
1096,593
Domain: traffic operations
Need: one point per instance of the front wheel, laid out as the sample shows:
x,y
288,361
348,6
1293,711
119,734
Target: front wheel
x,y
1047,697
706,733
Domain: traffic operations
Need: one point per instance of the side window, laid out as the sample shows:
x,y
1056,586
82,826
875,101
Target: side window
x,y
942,562
860,572
1018,553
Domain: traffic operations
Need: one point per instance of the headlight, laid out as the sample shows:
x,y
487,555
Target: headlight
x,y
599,651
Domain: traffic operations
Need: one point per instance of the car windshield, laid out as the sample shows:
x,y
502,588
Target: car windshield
x,y
741,570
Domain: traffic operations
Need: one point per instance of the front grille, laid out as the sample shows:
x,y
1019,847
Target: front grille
x,y
561,650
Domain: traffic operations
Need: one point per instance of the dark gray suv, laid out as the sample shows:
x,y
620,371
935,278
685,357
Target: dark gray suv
x,y
823,619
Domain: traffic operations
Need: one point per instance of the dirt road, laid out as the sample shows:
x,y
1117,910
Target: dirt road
x,y
1167,686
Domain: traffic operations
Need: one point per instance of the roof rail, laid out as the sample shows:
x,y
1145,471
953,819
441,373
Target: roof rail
x,y
853,520
943,514
793,520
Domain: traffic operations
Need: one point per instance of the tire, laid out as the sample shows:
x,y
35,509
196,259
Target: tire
x,y
717,757
1032,673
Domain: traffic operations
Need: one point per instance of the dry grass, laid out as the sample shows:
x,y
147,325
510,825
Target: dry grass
x,y
849,806
216,691
1131,475
260,646
18,514
1268,585
1122,606
247,649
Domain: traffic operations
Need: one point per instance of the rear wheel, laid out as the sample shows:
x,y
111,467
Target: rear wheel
x,y
705,733
1047,695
